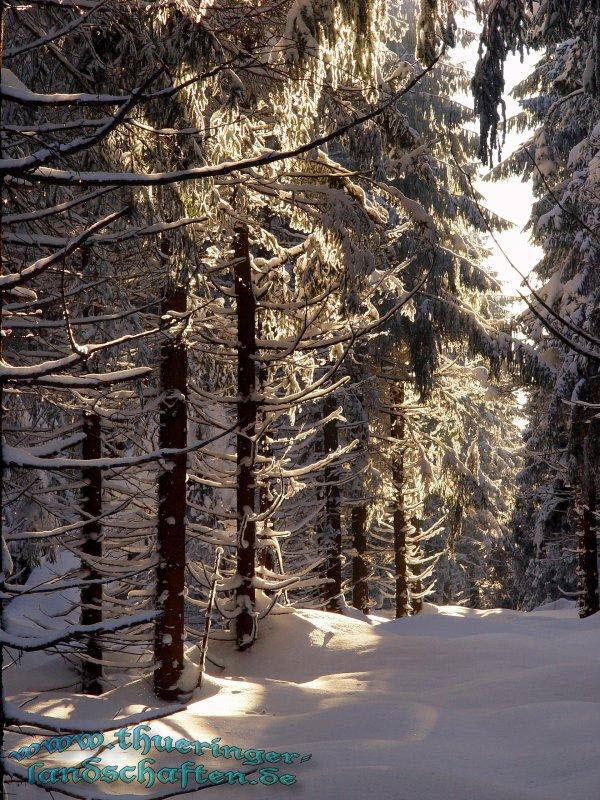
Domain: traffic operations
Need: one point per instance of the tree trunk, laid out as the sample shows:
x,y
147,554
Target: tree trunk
x,y
588,556
332,525
589,601
416,603
360,570
91,596
3,576
265,555
169,630
245,623
398,478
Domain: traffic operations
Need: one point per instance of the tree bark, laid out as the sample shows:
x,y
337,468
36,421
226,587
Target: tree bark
x,y
91,596
332,525
360,570
3,576
587,545
169,632
416,603
398,432
265,555
245,623
588,556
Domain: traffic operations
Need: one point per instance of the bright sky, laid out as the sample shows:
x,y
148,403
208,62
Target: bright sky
x,y
512,199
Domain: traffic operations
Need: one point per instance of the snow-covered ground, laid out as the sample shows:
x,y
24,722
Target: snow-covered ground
x,y
454,704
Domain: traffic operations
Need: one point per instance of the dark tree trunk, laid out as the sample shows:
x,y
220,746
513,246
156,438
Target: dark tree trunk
x,y
91,596
360,570
265,556
3,576
332,523
245,623
588,556
398,478
172,501
416,603
2,543
587,546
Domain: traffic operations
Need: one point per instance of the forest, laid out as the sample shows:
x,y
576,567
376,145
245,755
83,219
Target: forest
x,y
287,465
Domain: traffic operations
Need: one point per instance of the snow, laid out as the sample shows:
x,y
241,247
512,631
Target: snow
x,y
50,36
416,212
13,88
403,70
71,632
455,703
18,456
41,240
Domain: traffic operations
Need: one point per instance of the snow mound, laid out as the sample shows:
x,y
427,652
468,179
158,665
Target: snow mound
x,y
567,608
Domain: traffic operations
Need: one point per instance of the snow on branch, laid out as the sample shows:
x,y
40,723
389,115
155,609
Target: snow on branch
x,y
21,457
13,279
29,644
80,178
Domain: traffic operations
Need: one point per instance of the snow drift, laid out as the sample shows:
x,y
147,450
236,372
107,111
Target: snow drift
x,y
454,704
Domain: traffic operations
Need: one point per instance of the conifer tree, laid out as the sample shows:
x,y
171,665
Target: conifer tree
x,y
560,104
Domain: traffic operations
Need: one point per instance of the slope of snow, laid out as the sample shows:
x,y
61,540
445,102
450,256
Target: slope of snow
x,y
454,704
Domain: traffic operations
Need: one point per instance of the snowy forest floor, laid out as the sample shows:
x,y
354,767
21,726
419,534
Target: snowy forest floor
x,y
454,704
